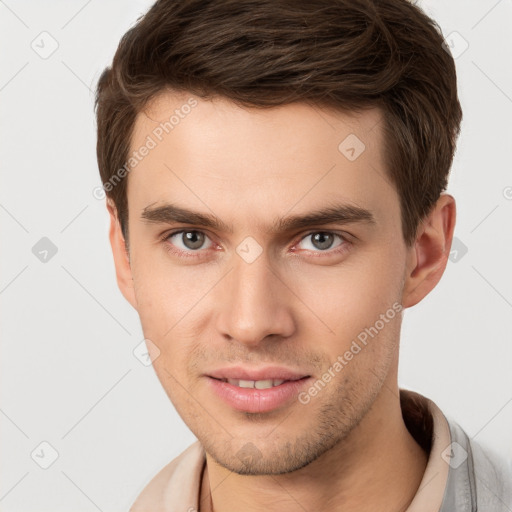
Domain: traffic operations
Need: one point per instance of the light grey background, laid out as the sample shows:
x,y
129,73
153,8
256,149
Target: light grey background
x,y
68,373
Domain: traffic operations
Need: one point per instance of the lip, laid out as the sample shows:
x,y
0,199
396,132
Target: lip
x,y
257,400
264,373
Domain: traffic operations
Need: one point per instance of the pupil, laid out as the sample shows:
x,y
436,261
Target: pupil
x,y
322,240
193,239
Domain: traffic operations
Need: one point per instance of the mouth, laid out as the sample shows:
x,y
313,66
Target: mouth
x,y
261,374
257,391
258,384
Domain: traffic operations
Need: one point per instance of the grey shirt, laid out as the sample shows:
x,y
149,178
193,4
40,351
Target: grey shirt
x,y
481,482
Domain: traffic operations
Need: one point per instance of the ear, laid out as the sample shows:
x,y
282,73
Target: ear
x,y
428,256
121,256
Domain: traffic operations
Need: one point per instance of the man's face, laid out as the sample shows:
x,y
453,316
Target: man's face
x,y
255,295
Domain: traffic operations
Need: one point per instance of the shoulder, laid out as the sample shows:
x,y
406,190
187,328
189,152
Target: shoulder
x,y
176,483
489,475
493,477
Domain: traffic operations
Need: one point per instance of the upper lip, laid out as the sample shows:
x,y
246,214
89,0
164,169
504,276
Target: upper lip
x,y
264,373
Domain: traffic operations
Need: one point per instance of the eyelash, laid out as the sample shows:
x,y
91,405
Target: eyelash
x,y
340,249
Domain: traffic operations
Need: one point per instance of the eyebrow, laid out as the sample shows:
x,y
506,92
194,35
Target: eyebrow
x,y
334,214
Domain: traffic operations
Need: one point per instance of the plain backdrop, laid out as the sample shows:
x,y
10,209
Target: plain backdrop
x,y
69,377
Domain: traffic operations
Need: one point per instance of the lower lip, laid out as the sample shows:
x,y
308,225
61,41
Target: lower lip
x,y
257,400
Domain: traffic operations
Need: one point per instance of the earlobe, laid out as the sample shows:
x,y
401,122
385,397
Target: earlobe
x,y
121,256
429,255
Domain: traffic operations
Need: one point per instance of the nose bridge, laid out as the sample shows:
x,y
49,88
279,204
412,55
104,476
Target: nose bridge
x,y
254,304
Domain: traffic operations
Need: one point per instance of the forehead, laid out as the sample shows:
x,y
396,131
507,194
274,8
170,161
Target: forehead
x,y
181,112
215,153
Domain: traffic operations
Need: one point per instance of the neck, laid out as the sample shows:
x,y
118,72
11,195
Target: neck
x,y
378,466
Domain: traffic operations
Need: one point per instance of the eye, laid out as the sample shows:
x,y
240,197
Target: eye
x,y
192,243
188,241
321,241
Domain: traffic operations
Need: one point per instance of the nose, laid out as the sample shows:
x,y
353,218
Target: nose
x,y
254,303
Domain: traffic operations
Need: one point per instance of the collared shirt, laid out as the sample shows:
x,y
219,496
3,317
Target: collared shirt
x,y
460,476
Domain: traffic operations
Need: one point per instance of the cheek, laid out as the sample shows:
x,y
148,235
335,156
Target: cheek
x,y
171,303
166,293
345,300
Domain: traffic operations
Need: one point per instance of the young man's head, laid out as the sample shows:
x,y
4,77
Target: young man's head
x,y
274,172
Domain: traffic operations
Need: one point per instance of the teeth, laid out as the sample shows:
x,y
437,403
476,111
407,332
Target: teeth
x,y
246,383
263,384
258,384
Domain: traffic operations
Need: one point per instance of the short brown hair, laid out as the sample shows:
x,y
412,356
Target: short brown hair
x,y
341,54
